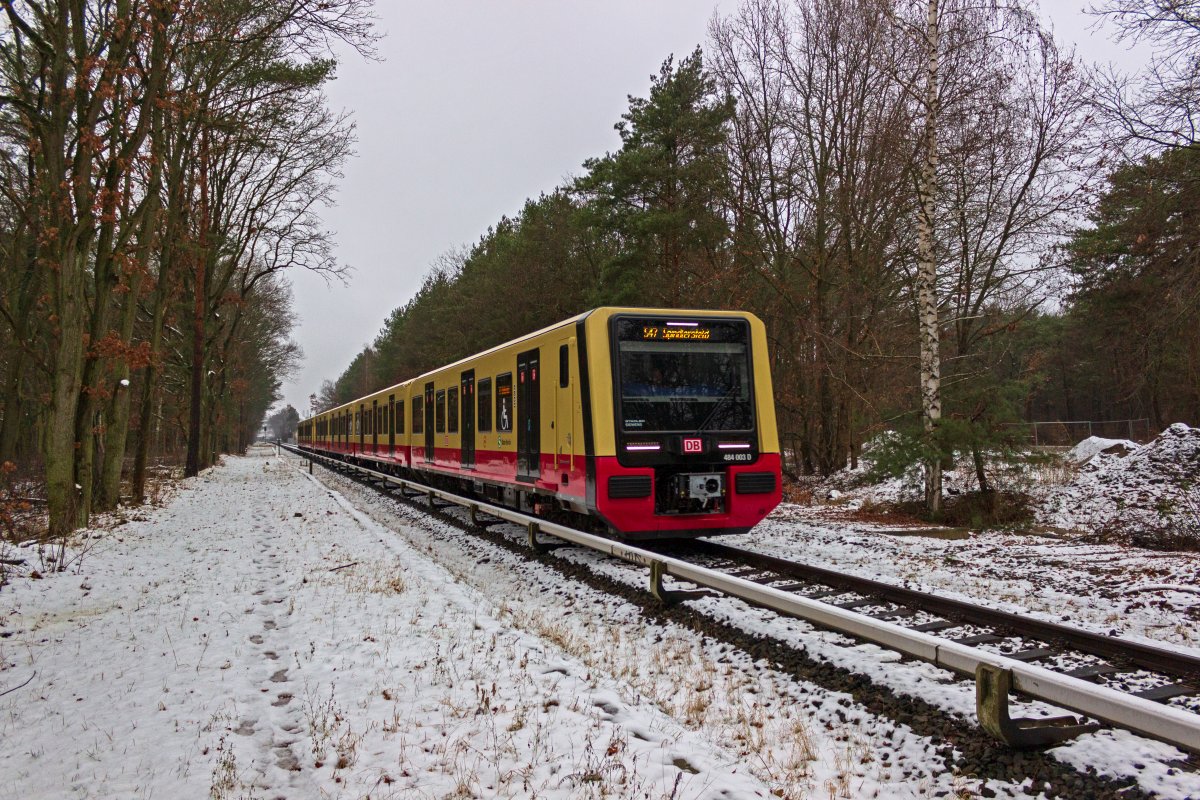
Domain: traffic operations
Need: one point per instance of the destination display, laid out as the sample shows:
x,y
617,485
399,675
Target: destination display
x,y
679,329
683,332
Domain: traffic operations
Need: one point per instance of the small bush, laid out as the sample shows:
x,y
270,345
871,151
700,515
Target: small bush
x,y
1174,529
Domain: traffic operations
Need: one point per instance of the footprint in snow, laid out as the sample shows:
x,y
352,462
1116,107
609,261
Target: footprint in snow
x,y
246,728
256,639
287,760
280,676
282,700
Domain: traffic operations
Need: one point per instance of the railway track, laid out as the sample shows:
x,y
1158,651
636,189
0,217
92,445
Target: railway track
x,y
1145,688
1141,670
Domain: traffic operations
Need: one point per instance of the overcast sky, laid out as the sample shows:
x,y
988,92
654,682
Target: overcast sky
x,y
476,106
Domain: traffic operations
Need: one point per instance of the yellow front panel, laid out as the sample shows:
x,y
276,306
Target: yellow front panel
x,y
600,373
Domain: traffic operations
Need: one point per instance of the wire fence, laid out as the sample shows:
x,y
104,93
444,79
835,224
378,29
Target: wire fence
x,y
1058,433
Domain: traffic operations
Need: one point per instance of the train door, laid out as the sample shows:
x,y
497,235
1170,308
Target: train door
x,y
429,409
391,424
374,426
466,403
529,418
564,413
362,426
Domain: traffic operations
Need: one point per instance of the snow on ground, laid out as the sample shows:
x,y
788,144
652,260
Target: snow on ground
x,y
1105,588
1157,479
1094,587
260,637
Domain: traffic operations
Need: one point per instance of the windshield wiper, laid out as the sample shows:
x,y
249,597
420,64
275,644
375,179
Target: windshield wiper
x,y
725,398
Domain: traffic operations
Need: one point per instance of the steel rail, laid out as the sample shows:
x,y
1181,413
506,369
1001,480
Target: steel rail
x,y
1148,656
1165,723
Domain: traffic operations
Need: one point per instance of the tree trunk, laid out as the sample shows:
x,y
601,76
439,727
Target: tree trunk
x,y
66,380
25,296
980,472
88,429
926,278
11,424
199,315
117,430
150,382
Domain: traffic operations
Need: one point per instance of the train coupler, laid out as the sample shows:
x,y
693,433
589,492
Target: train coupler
x,y
993,686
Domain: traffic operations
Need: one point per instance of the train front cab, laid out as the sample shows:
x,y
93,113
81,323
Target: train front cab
x,y
683,422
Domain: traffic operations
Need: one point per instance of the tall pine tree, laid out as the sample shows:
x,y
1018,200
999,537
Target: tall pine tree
x,y
661,197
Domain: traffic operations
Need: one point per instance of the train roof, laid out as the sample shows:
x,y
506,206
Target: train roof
x,y
609,310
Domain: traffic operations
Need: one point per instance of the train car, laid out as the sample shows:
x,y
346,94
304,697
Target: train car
x,y
645,423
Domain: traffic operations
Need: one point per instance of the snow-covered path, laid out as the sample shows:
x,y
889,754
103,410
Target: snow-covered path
x,y
260,638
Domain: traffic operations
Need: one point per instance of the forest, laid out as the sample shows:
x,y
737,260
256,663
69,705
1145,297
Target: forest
x,y
163,164
951,226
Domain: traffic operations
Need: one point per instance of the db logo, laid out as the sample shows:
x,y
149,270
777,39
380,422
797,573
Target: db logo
x,y
693,445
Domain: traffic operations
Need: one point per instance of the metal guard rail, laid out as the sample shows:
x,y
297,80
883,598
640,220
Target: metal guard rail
x,y
995,675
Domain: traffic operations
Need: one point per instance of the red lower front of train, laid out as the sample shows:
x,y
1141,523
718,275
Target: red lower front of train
x,y
624,498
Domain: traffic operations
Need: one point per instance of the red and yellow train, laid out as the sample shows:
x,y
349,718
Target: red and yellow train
x,y
653,423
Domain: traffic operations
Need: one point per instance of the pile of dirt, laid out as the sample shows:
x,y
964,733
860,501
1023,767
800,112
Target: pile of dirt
x,y
1153,488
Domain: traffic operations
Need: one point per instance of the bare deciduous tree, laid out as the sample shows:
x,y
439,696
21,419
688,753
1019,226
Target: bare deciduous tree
x,y
819,164
1161,106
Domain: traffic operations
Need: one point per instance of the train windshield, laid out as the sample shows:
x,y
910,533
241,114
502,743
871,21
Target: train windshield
x,y
691,379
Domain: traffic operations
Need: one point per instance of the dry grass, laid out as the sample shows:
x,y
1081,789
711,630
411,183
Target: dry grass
x,y
749,717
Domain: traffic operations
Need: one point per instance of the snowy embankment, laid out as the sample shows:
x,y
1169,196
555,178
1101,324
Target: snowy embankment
x,y
1138,486
259,637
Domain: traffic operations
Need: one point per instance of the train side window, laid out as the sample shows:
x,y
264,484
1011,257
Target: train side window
x,y
440,411
485,405
452,410
418,415
564,366
504,403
